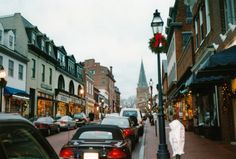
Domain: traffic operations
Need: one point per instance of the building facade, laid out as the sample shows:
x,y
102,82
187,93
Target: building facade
x,y
14,97
44,66
104,81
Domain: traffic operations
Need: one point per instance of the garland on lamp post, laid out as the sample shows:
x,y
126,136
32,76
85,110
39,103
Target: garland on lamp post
x,y
158,43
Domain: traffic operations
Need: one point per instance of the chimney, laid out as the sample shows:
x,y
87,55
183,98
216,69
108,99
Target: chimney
x,y
111,69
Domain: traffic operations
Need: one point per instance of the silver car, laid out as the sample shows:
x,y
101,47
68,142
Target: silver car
x,y
66,123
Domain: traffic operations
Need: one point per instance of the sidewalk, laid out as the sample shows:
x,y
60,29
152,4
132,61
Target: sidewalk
x,y
196,147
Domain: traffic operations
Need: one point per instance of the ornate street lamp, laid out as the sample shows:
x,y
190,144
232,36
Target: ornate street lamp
x,y
157,26
3,83
151,86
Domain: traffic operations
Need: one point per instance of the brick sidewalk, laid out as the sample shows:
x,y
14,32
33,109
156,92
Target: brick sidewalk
x,y
196,147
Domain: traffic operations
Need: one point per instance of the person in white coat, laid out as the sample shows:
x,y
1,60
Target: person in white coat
x,y
177,137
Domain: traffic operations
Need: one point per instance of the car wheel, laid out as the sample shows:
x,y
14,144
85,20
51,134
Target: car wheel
x,y
49,132
140,132
58,129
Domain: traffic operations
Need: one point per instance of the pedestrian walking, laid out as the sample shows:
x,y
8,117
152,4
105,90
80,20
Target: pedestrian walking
x,y
91,116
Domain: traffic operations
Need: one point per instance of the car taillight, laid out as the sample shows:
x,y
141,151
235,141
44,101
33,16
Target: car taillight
x,y
42,126
127,132
62,122
66,153
116,153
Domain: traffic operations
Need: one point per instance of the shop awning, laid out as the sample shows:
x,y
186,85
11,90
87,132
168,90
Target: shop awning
x,y
222,63
210,80
8,91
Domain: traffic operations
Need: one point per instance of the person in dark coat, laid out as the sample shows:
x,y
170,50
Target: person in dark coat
x,y
91,116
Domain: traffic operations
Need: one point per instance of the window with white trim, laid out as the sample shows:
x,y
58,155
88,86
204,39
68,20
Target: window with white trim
x,y
208,19
201,29
20,72
43,73
11,41
196,32
10,68
229,13
33,38
50,76
1,61
33,68
43,45
1,36
50,49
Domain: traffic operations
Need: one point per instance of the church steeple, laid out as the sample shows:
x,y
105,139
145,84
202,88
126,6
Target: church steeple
x,y
142,82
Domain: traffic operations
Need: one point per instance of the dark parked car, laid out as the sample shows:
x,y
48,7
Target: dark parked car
x,y
19,139
97,142
128,127
81,119
47,125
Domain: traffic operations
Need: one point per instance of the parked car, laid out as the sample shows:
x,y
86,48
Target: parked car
x,y
137,113
128,127
20,139
81,119
97,142
47,125
112,114
66,123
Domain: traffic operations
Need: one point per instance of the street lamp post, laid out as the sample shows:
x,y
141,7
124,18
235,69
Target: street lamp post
x,y
151,101
3,83
102,109
162,152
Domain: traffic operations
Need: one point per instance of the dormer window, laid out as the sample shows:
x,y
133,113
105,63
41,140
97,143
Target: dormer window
x,y
43,45
10,40
50,50
33,40
61,58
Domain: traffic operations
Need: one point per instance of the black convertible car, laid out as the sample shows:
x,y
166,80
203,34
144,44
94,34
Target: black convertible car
x,y
97,142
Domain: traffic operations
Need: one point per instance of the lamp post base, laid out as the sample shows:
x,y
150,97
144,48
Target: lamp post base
x,y
163,152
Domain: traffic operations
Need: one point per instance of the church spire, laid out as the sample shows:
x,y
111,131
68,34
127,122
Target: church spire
x,y
142,82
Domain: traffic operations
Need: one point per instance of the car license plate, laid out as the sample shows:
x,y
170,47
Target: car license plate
x,y
90,155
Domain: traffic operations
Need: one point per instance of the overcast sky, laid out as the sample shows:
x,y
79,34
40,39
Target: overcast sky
x,y
113,32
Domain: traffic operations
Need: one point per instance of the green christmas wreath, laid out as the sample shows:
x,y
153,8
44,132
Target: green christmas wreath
x,y
158,44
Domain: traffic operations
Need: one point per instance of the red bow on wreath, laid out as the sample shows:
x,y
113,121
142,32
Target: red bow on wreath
x,y
158,40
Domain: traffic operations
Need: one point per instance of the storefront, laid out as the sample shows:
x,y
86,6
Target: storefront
x,y
45,105
62,104
16,101
90,105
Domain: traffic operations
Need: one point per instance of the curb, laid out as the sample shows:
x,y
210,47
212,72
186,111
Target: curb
x,y
142,149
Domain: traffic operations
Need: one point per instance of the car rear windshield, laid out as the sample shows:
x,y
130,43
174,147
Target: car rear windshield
x,y
129,113
99,132
96,135
122,123
78,115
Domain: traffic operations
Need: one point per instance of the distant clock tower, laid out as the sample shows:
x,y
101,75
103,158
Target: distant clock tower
x,y
142,90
